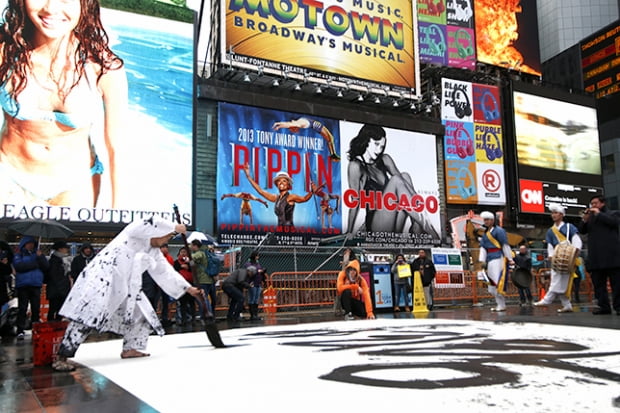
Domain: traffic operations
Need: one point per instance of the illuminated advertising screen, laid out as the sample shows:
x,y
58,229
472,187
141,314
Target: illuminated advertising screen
x,y
391,193
600,61
100,139
558,151
433,40
460,13
507,34
304,178
346,39
473,143
461,47
446,33
278,173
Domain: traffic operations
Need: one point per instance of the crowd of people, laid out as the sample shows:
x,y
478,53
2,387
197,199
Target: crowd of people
x,y
103,291
500,263
24,273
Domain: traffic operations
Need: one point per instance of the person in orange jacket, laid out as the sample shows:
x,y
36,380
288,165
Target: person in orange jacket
x,y
354,292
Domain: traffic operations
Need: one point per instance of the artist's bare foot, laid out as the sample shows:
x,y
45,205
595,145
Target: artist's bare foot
x,y
129,354
62,364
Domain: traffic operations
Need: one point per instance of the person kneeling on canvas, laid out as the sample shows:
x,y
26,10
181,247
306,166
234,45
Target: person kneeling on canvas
x,y
108,296
354,293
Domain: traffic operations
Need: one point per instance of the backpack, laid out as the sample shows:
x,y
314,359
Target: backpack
x,y
214,264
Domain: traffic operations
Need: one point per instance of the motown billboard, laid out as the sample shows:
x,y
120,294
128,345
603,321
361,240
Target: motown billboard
x,y
305,178
355,42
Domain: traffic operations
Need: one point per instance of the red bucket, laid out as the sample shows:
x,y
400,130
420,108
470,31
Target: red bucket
x,y
46,338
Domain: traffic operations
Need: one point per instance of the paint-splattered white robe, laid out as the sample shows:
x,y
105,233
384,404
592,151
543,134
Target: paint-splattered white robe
x,y
107,295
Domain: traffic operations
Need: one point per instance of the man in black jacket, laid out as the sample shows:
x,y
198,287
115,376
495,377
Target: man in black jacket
x,y
601,225
57,281
81,260
427,272
233,286
524,261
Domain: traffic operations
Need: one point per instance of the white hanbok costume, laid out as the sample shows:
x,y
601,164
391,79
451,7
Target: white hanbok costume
x,y
559,284
107,295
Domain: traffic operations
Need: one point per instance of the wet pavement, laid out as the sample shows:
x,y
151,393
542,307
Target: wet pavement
x,y
27,388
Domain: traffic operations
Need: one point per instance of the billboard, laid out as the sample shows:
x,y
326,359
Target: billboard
x,y
446,33
255,146
473,143
93,149
362,180
391,194
507,34
557,149
350,41
600,61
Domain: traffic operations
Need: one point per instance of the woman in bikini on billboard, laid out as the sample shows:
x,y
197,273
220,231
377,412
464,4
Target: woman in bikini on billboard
x,y
372,170
58,80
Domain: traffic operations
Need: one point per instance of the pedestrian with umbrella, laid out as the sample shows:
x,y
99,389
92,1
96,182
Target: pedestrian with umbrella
x,y
58,280
30,266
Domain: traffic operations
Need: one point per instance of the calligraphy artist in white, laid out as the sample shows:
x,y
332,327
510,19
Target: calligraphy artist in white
x,y
107,295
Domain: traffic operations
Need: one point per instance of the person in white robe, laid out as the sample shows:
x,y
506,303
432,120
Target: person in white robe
x,y
495,253
561,282
107,295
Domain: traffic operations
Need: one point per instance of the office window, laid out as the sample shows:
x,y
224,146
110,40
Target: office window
x,y
609,164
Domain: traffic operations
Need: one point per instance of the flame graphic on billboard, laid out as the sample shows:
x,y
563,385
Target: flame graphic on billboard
x,y
497,30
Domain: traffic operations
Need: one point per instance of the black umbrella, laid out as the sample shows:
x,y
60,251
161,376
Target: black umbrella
x,y
42,228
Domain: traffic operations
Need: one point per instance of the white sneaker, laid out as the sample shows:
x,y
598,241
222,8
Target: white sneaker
x,y
540,303
349,317
497,309
565,310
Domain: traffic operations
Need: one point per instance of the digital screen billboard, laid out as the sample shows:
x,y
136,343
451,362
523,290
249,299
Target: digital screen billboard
x,y
345,40
473,143
83,146
507,34
558,150
391,194
256,147
446,33
600,61
304,178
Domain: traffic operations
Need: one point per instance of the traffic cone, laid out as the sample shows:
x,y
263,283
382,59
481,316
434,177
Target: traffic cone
x,y
541,293
419,301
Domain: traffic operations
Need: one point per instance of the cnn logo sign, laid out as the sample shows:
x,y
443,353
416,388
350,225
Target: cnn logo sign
x,y
531,196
